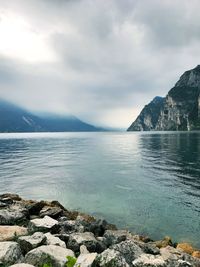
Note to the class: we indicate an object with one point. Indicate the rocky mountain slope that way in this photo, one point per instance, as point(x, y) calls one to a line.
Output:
point(16, 119)
point(179, 110)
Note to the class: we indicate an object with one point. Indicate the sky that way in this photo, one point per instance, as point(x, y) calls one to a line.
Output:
point(100, 60)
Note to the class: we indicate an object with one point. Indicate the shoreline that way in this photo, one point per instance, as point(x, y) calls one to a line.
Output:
point(43, 232)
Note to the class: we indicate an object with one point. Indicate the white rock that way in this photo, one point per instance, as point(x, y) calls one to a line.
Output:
point(83, 249)
point(48, 254)
point(45, 224)
point(10, 253)
point(149, 260)
point(28, 243)
point(53, 240)
point(85, 260)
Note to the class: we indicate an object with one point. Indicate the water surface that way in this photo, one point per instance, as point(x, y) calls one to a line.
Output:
point(146, 182)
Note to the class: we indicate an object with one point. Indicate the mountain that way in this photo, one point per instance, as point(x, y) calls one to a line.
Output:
point(179, 110)
point(17, 119)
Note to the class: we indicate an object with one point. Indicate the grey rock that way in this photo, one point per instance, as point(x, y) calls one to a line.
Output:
point(176, 257)
point(128, 249)
point(10, 253)
point(147, 260)
point(14, 197)
point(71, 226)
point(48, 254)
point(115, 236)
point(53, 240)
point(28, 243)
point(53, 212)
point(86, 260)
point(34, 207)
point(111, 258)
point(98, 227)
point(77, 239)
point(13, 215)
point(45, 224)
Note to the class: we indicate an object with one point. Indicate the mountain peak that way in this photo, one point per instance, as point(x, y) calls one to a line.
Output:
point(179, 110)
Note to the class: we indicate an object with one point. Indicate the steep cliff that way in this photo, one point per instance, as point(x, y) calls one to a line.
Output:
point(179, 110)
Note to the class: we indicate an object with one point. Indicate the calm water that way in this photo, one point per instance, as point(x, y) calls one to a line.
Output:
point(146, 182)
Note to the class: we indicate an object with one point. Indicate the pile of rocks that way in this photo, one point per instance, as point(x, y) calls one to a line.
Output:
point(36, 233)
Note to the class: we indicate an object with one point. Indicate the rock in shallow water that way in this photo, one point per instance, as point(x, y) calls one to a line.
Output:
point(48, 254)
point(10, 253)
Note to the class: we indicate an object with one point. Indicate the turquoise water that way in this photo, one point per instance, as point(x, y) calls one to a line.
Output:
point(146, 182)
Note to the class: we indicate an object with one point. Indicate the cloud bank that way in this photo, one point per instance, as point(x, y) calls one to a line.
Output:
point(101, 60)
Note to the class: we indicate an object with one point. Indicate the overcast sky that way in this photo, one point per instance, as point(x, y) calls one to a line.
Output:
point(101, 60)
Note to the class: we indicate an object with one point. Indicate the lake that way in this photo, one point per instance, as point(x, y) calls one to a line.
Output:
point(146, 182)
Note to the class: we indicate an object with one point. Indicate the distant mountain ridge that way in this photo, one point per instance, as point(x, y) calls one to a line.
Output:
point(16, 119)
point(179, 110)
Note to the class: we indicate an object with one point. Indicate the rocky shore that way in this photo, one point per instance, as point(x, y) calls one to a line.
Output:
point(45, 234)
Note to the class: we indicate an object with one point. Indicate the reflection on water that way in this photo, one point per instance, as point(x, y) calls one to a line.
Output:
point(147, 182)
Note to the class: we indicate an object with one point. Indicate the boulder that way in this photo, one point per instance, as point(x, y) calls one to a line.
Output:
point(111, 258)
point(115, 236)
point(53, 240)
point(176, 257)
point(98, 227)
point(71, 226)
point(53, 212)
point(196, 254)
point(86, 260)
point(128, 249)
point(186, 247)
point(167, 241)
point(10, 253)
point(77, 239)
point(45, 224)
point(54, 255)
point(83, 249)
point(8, 233)
point(34, 207)
point(149, 260)
point(15, 214)
point(28, 243)
point(11, 196)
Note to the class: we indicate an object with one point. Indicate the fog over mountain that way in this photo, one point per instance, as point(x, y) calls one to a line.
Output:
point(101, 61)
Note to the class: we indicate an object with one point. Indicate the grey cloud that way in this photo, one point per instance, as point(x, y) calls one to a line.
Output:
point(112, 56)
